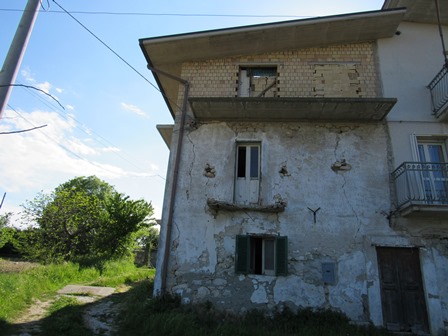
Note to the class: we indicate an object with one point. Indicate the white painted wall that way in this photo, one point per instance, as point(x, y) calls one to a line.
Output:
point(408, 62)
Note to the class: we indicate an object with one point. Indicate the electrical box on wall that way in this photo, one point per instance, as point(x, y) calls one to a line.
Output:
point(329, 273)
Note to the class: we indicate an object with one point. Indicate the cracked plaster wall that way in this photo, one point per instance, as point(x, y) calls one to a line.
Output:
point(351, 202)
point(301, 164)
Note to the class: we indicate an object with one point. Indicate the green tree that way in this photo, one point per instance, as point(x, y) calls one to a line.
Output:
point(6, 233)
point(84, 218)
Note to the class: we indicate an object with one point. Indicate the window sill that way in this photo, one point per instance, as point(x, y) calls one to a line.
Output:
point(221, 205)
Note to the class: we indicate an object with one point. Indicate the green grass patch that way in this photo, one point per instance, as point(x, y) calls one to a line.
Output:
point(17, 290)
point(62, 302)
point(65, 317)
point(166, 316)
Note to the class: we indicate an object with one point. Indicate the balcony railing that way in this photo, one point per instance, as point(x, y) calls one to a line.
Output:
point(439, 91)
point(421, 183)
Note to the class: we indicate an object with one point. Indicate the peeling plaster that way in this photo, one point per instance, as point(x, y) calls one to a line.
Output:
point(204, 260)
point(259, 294)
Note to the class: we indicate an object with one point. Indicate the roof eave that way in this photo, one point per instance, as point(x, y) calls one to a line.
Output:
point(167, 53)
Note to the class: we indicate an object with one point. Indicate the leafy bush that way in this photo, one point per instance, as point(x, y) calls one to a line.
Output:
point(6, 233)
point(84, 219)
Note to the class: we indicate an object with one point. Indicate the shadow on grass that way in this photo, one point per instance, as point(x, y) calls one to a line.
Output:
point(5, 327)
point(71, 320)
point(139, 315)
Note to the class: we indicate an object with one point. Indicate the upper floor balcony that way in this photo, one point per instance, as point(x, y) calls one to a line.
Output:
point(422, 187)
point(439, 93)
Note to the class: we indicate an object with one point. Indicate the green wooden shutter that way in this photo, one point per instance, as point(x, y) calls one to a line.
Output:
point(281, 256)
point(242, 254)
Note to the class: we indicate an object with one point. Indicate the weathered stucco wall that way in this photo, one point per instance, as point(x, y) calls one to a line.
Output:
point(300, 165)
point(295, 160)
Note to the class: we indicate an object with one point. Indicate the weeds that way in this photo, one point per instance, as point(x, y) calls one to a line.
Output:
point(165, 315)
point(17, 290)
point(65, 318)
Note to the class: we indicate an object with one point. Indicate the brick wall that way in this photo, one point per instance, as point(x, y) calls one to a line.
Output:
point(336, 71)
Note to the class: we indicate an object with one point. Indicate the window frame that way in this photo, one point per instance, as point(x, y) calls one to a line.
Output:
point(434, 185)
point(251, 180)
point(245, 79)
point(245, 258)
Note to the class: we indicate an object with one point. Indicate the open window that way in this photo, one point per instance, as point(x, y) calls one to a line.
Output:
point(257, 82)
point(247, 175)
point(264, 255)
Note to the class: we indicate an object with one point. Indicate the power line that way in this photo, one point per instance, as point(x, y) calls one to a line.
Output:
point(110, 49)
point(25, 130)
point(84, 128)
point(35, 88)
point(115, 53)
point(62, 146)
point(166, 14)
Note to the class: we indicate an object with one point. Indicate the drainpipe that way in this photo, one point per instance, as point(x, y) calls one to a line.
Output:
point(441, 33)
point(169, 224)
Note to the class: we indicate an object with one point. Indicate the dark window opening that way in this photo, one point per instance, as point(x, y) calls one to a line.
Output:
point(264, 255)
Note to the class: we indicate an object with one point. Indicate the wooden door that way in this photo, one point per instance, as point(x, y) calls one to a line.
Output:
point(402, 295)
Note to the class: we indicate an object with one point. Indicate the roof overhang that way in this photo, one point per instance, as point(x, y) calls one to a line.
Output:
point(421, 11)
point(292, 109)
point(166, 132)
point(167, 53)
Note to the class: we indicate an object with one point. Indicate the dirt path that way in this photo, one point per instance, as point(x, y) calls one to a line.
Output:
point(99, 316)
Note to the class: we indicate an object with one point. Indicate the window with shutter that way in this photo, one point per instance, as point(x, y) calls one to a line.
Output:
point(281, 256)
point(266, 255)
point(242, 254)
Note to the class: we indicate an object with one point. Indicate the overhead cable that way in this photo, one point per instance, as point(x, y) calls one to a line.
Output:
point(167, 14)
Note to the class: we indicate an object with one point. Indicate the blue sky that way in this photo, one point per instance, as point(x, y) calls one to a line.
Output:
point(108, 126)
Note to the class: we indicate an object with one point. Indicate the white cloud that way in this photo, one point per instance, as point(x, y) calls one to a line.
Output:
point(134, 109)
point(27, 75)
point(110, 149)
point(38, 158)
point(69, 107)
point(45, 86)
point(77, 146)
point(154, 167)
point(43, 159)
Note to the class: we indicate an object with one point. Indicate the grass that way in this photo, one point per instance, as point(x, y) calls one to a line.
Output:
point(18, 290)
point(65, 317)
point(142, 315)
point(166, 316)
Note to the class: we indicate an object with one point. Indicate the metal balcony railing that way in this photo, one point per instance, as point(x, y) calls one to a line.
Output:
point(421, 183)
point(439, 90)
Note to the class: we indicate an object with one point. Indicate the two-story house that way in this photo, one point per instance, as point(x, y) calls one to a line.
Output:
point(279, 188)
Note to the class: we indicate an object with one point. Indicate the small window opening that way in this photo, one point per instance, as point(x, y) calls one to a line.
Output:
point(258, 82)
point(264, 255)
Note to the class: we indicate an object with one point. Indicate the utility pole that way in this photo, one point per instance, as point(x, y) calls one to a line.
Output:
point(16, 51)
